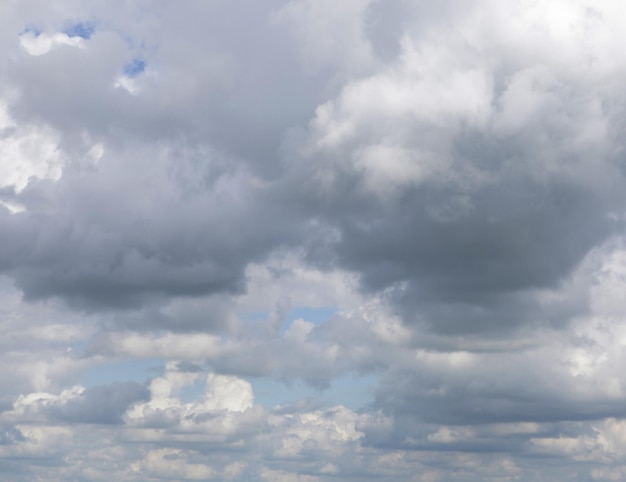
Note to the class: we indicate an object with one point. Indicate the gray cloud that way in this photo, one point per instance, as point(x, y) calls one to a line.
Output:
point(105, 404)
point(445, 179)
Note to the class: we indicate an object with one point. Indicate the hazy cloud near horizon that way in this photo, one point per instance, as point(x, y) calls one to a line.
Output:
point(310, 240)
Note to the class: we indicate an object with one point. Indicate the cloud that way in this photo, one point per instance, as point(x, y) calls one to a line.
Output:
point(100, 404)
point(206, 200)
point(165, 463)
point(462, 178)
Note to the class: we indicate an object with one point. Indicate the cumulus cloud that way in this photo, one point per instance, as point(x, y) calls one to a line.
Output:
point(100, 404)
point(201, 201)
point(464, 175)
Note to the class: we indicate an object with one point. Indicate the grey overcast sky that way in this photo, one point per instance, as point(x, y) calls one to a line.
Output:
point(312, 240)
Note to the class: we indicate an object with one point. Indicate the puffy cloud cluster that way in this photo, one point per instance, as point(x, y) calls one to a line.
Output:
point(307, 240)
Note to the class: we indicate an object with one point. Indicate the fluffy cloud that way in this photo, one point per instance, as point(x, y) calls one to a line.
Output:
point(100, 404)
point(464, 175)
point(201, 205)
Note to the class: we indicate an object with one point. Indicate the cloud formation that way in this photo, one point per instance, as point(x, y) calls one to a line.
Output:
point(306, 240)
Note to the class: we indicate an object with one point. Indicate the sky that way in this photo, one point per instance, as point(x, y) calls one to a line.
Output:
point(312, 240)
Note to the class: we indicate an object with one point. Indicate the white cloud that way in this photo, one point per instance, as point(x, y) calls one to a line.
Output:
point(27, 152)
point(284, 476)
point(324, 432)
point(214, 412)
point(169, 464)
point(42, 43)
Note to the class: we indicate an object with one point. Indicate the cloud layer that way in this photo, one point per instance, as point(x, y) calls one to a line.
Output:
point(306, 240)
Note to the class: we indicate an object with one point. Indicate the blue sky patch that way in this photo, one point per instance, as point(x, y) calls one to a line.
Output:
point(313, 315)
point(351, 391)
point(82, 29)
point(32, 29)
point(122, 371)
point(195, 391)
point(134, 68)
point(316, 315)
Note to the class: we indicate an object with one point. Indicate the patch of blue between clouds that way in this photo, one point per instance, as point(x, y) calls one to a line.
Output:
point(351, 391)
point(194, 391)
point(81, 29)
point(316, 316)
point(134, 370)
point(32, 29)
point(134, 68)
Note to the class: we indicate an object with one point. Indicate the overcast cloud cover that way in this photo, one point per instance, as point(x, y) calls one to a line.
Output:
point(312, 240)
